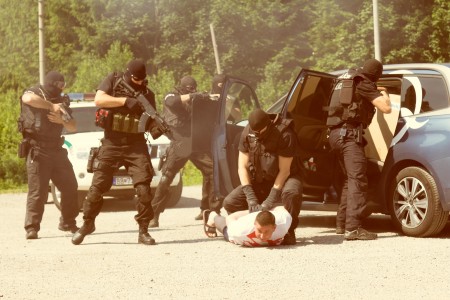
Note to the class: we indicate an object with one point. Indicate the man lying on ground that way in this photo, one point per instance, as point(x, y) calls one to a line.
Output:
point(264, 228)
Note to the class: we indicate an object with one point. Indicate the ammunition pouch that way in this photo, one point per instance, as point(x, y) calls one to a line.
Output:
point(125, 123)
point(103, 118)
point(24, 148)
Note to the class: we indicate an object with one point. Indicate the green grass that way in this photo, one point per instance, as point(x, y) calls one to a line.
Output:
point(191, 175)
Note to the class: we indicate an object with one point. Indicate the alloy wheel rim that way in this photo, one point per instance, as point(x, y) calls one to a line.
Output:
point(410, 202)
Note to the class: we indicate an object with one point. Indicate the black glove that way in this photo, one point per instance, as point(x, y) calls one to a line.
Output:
point(199, 95)
point(134, 105)
point(273, 198)
point(252, 201)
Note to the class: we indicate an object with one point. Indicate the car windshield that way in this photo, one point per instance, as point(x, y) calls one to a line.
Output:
point(85, 117)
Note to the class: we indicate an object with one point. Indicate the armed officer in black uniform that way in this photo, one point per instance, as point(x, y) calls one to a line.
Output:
point(177, 114)
point(41, 122)
point(268, 169)
point(122, 145)
point(347, 118)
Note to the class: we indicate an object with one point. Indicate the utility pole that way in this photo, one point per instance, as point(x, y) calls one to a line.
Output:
point(41, 41)
point(216, 53)
point(376, 32)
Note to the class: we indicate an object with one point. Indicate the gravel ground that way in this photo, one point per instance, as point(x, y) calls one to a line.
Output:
point(187, 265)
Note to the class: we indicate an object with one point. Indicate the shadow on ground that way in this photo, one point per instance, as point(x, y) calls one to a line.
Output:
point(375, 223)
point(125, 204)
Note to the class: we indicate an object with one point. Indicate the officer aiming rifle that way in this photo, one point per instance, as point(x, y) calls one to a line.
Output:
point(159, 126)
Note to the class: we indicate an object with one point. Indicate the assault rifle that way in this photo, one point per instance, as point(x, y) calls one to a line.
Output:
point(63, 106)
point(160, 126)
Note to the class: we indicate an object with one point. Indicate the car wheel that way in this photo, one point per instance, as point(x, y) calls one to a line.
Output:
point(56, 195)
point(414, 203)
point(175, 194)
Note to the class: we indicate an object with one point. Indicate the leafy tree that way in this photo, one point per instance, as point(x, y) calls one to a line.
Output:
point(12, 168)
point(265, 42)
point(93, 69)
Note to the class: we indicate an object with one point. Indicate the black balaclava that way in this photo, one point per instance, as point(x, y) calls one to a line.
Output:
point(187, 85)
point(50, 83)
point(258, 119)
point(372, 69)
point(136, 69)
point(218, 78)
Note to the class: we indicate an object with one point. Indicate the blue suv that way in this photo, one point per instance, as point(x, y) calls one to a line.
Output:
point(408, 151)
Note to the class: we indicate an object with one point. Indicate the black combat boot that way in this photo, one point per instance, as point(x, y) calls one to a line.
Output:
point(144, 237)
point(87, 228)
point(155, 221)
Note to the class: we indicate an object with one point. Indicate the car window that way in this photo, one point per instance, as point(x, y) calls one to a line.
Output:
point(277, 106)
point(238, 103)
point(424, 93)
point(315, 94)
point(85, 117)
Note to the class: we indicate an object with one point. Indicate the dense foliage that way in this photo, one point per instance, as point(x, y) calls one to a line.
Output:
point(265, 42)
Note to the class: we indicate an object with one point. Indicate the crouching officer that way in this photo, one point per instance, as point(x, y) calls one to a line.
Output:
point(44, 114)
point(122, 145)
point(268, 169)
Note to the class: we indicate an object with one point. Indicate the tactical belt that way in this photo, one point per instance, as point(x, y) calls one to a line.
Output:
point(120, 141)
point(348, 125)
point(47, 144)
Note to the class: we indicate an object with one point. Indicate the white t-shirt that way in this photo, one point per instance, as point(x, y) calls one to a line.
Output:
point(242, 231)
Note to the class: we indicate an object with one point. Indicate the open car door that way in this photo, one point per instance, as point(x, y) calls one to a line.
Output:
point(305, 104)
point(217, 126)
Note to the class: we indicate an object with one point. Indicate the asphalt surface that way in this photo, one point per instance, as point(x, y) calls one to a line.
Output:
point(185, 264)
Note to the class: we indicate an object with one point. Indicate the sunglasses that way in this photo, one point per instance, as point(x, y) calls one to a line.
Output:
point(136, 78)
point(191, 88)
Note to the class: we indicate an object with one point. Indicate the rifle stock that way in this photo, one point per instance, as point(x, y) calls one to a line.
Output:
point(149, 112)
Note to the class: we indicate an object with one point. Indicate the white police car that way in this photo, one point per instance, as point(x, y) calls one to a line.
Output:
point(89, 135)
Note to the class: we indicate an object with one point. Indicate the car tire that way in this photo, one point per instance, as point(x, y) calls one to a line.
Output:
point(175, 194)
point(414, 203)
point(56, 195)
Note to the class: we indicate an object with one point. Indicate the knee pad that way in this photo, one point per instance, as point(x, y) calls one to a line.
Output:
point(144, 193)
point(94, 195)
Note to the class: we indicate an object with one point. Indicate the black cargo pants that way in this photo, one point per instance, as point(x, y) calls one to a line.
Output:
point(175, 161)
point(353, 163)
point(111, 156)
point(45, 164)
point(291, 197)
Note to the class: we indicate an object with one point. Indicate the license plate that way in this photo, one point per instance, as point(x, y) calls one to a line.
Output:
point(122, 180)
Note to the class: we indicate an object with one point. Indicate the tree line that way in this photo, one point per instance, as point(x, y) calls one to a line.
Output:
point(265, 42)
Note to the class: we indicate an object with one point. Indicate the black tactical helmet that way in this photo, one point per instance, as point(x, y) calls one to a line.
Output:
point(53, 78)
point(188, 85)
point(217, 79)
point(54, 83)
point(258, 119)
point(372, 69)
point(136, 69)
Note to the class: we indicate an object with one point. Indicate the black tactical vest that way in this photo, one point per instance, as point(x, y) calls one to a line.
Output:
point(263, 154)
point(346, 105)
point(33, 122)
point(119, 91)
point(180, 122)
